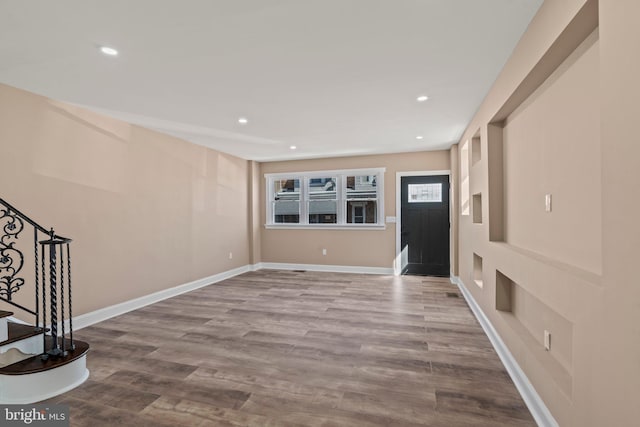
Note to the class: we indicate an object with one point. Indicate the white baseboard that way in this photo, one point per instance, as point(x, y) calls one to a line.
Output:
point(538, 409)
point(327, 268)
point(531, 398)
point(102, 314)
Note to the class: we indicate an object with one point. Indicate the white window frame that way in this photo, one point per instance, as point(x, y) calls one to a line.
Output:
point(341, 197)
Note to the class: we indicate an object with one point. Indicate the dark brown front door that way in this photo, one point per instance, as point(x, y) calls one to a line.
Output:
point(424, 233)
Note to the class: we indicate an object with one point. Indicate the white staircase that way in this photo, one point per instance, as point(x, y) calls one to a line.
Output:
point(38, 360)
point(18, 341)
point(26, 376)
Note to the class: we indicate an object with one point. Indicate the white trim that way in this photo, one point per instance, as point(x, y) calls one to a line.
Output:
point(531, 398)
point(31, 388)
point(397, 262)
point(327, 268)
point(326, 173)
point(102, 314)
point(326, 227)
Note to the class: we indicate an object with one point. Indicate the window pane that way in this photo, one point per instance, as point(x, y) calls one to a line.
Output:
point(286, 211)
point(362, 195)
point(425, 193)
point(286, 187)
point(362, 187)
point(323, 212)
point(323, 206)
point(362, 212)
point(286, 205)
point(322, 188)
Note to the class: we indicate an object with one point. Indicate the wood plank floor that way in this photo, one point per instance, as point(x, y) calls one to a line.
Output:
point(284, 348)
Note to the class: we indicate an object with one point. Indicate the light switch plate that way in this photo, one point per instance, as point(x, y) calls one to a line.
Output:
point(547, 202)
point(547, 340)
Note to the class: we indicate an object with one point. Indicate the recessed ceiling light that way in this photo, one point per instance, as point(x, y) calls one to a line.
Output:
point(419, 137)
point(108, 51)
point(243, 120)
point(422, 98)
point(292, 147)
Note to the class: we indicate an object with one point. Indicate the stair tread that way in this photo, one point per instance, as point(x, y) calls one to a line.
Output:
point(17, 332)
point(35, 363)
point(5, 314)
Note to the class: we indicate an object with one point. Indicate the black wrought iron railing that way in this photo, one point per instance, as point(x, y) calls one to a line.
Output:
point(45, 294)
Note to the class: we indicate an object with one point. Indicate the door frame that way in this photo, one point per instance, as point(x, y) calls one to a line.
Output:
point(397, 262)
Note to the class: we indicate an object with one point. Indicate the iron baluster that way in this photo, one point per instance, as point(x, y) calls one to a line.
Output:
point(53, 295)
point(62, 296)
point(73, 347)
point(12, 262)
point(44, 302)
point(35, 263)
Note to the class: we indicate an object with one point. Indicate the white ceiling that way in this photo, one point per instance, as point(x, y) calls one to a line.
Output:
point(332, 77)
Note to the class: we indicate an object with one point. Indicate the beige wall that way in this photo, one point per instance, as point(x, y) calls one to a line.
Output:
point(255, 229)
point(560, 120)
point(454, 202)
point(617, 338)
point(370, 248)
point(146, 211)
point(552, 146)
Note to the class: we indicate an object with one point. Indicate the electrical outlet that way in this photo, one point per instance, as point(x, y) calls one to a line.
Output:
point(547, 340)
point(324, 251)
point(230, 255)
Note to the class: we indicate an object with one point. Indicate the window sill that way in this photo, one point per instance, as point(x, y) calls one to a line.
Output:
point(325, 227)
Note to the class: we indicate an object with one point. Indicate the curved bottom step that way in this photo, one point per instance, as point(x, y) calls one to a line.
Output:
point(33, 380)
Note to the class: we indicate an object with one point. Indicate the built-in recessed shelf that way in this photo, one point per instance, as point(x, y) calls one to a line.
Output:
point(496, 195)
point(476, 149)
point(504, 290)
point(465, 206)
point(577, 31)
point(477, 270)
point(477, 208)
point(532, 319)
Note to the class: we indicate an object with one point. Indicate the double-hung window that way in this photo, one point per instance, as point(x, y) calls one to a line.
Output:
point(338, 198)
point(322, 204)
point(362, 199)
point(286, 201)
